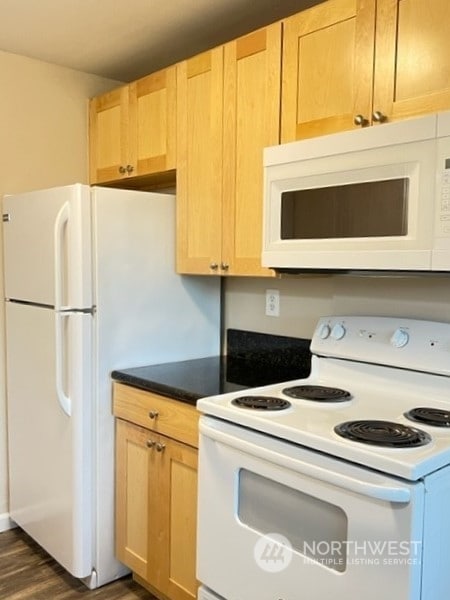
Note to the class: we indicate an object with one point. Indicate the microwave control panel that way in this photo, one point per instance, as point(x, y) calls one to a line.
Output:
point(444, 216)
point(443, 211)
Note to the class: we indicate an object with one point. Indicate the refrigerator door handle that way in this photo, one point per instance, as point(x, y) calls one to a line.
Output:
point(64, 400)
point(61, 220)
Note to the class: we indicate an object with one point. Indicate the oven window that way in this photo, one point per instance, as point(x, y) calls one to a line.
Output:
point(315, 528)
point(369, 209)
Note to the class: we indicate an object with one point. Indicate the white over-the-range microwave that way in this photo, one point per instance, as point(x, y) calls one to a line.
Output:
point(372, 199)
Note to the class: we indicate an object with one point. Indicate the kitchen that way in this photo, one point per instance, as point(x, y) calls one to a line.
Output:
point(38, 127)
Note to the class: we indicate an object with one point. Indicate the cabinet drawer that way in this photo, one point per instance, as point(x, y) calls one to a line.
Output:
point(157, 413)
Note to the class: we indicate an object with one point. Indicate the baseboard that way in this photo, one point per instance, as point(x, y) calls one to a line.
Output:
point(6, 522)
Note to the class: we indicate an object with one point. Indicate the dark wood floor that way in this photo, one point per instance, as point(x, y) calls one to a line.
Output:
point(28, 572)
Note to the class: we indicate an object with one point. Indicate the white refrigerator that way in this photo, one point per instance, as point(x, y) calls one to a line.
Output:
point(90, 286)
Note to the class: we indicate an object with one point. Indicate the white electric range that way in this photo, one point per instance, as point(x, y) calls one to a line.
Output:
point(336, 485)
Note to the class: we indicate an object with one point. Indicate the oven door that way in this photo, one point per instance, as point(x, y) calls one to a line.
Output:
point(279, 522)
point(204, 594)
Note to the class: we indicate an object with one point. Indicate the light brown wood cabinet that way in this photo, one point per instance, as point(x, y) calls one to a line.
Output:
point(133, 129)
point(352, 63)
point(109, 136)
point(156, 491)
point(228, 103)
point(336, 66)
point(412, 57)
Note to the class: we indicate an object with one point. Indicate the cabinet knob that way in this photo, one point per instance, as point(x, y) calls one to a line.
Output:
point(122, 170)
point(129, 168)
point(360, 120)
point(379, 117)
point(224, 266)
point(160, 447)
point(153, 414)
point(150, 443)
point(213, 266)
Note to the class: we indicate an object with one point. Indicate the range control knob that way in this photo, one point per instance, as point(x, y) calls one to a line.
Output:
point(338, 331)
point(399, 338)
point(324, 331)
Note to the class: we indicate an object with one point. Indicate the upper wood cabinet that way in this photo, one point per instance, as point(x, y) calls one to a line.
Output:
point(199, 162)
point(133, 129)
point(153, 107)
point(252, 82)
point(228, 107)
point(327, 68)
point(352, 63)
point(412, 57)
point(109, 135)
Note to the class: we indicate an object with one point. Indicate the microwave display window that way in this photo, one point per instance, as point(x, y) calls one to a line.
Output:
point(369, 209)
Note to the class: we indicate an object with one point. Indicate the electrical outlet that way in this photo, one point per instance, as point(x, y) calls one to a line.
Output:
point(273, 303)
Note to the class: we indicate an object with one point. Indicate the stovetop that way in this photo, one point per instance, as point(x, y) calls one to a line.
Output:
point(389, 392)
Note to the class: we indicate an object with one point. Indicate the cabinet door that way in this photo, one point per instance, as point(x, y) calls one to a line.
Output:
point(199, 162)
point(252, 78)
point(412, 67)
point(152, 122)
point(133, 460)
point(109, 135)
point(173, 520)
point(327, 68)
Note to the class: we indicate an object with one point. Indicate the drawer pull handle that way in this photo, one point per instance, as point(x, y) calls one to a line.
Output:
point(160, 447)
point(150, 443)
point(153, 414)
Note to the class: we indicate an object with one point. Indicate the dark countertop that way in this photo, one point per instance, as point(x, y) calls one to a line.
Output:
point(252, 359)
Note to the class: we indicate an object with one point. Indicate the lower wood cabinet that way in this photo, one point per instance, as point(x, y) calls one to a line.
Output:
point(156, 494)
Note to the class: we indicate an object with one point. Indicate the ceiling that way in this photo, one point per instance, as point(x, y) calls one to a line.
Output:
point(127, 40)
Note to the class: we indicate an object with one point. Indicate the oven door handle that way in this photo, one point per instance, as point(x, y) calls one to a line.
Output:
point(387, 493)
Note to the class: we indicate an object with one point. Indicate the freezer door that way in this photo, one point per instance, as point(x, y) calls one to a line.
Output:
point(50, 451)
point(47, 247)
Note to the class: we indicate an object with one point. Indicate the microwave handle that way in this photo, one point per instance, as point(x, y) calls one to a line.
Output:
point(397, 494)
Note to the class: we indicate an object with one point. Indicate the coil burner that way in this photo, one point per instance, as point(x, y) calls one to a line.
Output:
point(261, 402)
point(429, 416)
point(318, 393)
point(383, 433)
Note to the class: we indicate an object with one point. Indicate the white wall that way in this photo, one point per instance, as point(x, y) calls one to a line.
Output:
point(304, 299)
point(43, 143)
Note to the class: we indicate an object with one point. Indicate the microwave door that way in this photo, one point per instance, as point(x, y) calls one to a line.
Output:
point(360, 210)
point(367, 210)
